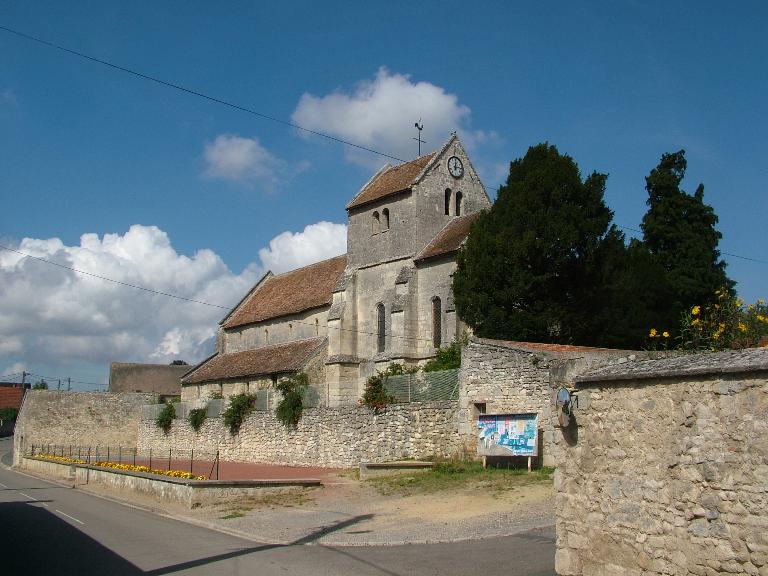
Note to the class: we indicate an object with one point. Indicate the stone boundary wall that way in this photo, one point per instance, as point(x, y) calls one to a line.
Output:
point(666, 469)
point(520, 377)
point(333, 437)
point(78, 418)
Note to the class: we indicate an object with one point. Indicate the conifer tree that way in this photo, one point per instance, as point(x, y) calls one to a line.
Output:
point(533, 266)
point(679, 232)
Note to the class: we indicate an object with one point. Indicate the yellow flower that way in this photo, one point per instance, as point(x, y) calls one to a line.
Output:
point(652, 333)
point(742, 327)
point(696, 322)
point(665, 334)
point(695, 310)
point(760, 302)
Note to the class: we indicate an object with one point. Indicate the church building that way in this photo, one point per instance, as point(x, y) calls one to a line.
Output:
point(388, 299)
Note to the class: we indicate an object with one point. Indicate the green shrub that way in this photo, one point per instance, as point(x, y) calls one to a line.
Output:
point(240, 405)
point(292, 388)
point(196, 417)
point(164, 420)
point(375, 395)
point(8, 414)
point(446, 358)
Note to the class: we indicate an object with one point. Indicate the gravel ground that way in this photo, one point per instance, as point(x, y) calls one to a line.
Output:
point(350, 513)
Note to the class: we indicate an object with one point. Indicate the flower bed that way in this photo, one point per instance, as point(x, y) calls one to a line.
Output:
point(148, 470)
point(64, 459)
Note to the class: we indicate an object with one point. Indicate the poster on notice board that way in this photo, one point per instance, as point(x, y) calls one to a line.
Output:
point(508, 435)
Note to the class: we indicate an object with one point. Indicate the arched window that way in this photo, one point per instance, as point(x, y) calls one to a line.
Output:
point(381, 334)
point(266, 336)
point(290, 331)
point(385, 219)
point(375, 224)
point(447, 201)
point(317, 327)
point(437, 322)
point(458, 203)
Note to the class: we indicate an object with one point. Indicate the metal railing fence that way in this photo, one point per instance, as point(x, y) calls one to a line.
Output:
point(195, 461)
point(424, 386)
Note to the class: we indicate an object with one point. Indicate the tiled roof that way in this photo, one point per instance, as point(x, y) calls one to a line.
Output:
point(290, 293)
point(449, 239)
point(391, 181)
point(150, 378)
point(258, 361)
point(11, 397)
point(542, 346)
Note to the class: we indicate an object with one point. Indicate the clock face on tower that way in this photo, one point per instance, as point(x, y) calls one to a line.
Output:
point(455, 167)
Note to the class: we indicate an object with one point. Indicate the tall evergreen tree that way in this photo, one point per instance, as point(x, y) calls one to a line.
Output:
point(533, 265)
point(679, 232)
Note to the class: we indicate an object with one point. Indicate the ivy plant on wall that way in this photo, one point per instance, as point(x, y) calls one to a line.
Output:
point(165, 418)
point(196, 418)
point(290, 407)
point(240, 405)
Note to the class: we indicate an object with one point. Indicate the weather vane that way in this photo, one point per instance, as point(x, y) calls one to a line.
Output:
point(419, 127)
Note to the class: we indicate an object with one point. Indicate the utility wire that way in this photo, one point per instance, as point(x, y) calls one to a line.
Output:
point(150, 290)
point(65, 378)
point(721, 252)
point(14, 375)
point(195, 93)
point(137, 287)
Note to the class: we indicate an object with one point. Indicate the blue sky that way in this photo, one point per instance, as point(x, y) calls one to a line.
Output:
point(86, 149)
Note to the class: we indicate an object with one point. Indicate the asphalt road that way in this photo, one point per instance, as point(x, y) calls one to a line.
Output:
point(49, 529)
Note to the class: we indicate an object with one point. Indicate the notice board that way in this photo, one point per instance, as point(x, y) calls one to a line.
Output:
point(508, 435)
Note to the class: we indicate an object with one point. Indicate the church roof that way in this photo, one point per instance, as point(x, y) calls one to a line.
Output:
point(450, 238)
point(289, 293)
point(391, 180)
point(274, 359)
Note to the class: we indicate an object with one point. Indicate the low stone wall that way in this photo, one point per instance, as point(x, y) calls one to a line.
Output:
point(187, 493)
point(333, 437)
point(78, 418)
point(666, 469)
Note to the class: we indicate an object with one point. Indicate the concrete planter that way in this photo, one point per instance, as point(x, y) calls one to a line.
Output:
point(188, 493)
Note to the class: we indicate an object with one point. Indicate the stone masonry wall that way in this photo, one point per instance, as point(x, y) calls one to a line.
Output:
point(667, 472)
point(79, 418)
point(517, 377)
point(333, 437)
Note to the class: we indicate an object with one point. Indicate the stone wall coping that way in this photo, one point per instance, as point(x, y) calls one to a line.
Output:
point(397, 464)
point(188, 482)
point(556, 350)
point(749, 360)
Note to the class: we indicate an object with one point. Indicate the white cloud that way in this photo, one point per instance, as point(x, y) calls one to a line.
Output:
point(291, 250)
point(232, 157)
point(16, 368)
point(54, 317)
point(381, 113)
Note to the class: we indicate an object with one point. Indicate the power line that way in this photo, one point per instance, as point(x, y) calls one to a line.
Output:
point(15, 374)
point(65, 378)
point(721, 252)
point(195, 93)
point(136, 286)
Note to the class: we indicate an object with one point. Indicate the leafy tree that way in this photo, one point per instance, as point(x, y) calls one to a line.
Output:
point(679, 232)
point(7, 414)
point(534, 264)
point(179, 363)
point(40, 385)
